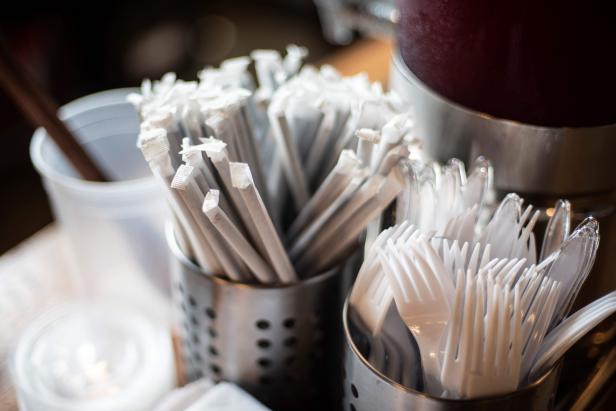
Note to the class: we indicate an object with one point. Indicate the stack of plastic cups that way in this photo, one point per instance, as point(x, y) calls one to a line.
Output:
point(115, 229)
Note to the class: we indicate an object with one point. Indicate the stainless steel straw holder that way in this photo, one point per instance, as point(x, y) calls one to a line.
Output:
point(366, 389)
point(281, 344)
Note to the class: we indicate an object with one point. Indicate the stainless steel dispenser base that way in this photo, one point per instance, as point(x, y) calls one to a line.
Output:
point(528, 158)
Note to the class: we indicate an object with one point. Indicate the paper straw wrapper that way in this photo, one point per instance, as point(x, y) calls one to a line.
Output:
point(235, 239)
point(275, 251)
point(189, 192)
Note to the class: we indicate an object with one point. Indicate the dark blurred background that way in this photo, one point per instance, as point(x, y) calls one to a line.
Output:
point(75, 50)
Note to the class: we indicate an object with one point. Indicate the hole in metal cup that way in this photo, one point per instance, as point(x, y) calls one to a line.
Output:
point(262, 324)
point(264, 343)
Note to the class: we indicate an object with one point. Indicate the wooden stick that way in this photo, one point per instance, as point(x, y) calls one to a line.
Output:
point(236, 240)
point(276, 253)
point(40, 110)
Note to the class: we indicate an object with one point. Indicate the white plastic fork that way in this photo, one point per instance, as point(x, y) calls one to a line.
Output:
point(455, 258)
point(371, 295)
point(510, 231)
point(457, 345)
point(422, 303)
point(495, 364)
point(524, 246)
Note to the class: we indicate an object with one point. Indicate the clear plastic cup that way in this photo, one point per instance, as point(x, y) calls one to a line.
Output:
point(115, 229)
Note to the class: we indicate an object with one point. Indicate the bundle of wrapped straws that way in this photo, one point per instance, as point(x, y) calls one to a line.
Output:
point(273, 182)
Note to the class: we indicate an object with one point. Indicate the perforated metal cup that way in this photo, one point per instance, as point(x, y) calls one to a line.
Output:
point(281, 344)
point(366, 389)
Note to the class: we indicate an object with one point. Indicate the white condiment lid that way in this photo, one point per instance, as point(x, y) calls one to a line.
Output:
point(93, 356)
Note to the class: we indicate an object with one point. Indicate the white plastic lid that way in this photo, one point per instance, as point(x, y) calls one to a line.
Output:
point(93, 356)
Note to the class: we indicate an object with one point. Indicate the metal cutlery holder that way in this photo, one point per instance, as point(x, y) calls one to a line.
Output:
point(366, 389)
point(281, 344)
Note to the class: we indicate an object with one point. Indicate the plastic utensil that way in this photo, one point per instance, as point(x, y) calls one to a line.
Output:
point(422, 303)
point(567, 333)
point(557, 229)
point(572, 265)
point(371, 295)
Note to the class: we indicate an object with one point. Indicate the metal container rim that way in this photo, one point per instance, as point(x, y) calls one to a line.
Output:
point(177, 253)
point(399, 65)
point(397, 386)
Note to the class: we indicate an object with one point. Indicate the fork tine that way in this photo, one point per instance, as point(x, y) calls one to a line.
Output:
point(532, 249)
point(395, 284)
point(447, 257)
point(485, 257)
point(425, 271)
point(439, 270)
point(478, 343)
point(380, 290)
point(466, 339)
point(464, 252)
point(540, 329)
point(421, 284)
point(503, 339)
point(474, 260)
point(506, 268)
point(523, 218)
point(409, 279)
point(453, 335)
point(450, 228)
point(406, 234)
point(515, 361)
point(404, 242)
point(499, 266)
point(491, 320)
point(485, 269)
point(524, 236)
point(512, 275)
point(376, 285)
